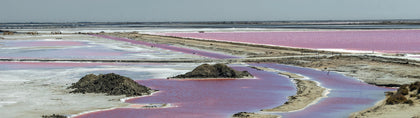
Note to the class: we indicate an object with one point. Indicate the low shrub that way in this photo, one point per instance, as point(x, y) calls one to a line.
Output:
point(54, 116)
point(396, 99)
point(403, 91)
point(410, 102)
point(414, 86)
point(241, 115)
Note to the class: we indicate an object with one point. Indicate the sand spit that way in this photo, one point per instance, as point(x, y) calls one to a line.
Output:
point(308, 93)
point(239, 49)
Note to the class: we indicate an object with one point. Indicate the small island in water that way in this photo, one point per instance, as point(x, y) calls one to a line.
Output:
point(111, 84)
point(214, 71)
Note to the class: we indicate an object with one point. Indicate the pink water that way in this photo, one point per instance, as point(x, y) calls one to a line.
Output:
point(172, 48)
point(213, 98)
point(389, 41)
point(347, 95)
point(224, 97)
point(218, 98)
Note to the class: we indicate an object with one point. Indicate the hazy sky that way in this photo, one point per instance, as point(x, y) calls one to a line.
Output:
point(204, 10)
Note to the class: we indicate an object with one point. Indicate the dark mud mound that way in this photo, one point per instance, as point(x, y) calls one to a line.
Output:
point(53, 116)
point(214, 71)
point(111, 84)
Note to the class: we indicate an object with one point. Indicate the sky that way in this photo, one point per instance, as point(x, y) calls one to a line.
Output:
point(204, 10)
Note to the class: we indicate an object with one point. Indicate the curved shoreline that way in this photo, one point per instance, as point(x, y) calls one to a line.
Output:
point(309, 92)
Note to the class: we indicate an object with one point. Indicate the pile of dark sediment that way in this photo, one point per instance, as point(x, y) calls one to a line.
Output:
point(214, 71)
point(242, 115)
point(111, 84)
point(54, 116)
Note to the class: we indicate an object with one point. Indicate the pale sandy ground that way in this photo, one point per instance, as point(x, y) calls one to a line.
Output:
point(382, 110)
point(33, 98)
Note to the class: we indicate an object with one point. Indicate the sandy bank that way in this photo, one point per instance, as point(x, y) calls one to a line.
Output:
point(308, 92)
point(233, 48)
point(403, 103)
point(381, 110)
point(34, 98)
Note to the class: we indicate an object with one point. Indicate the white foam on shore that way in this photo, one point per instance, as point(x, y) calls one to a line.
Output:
point(346, 50)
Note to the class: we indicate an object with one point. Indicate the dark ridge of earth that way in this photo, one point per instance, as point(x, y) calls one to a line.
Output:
point(214, 71)
point(110, 84)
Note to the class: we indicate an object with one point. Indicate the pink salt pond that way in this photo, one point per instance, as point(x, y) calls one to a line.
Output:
point(388, 41)
point(221, 98)
point(212, 98)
